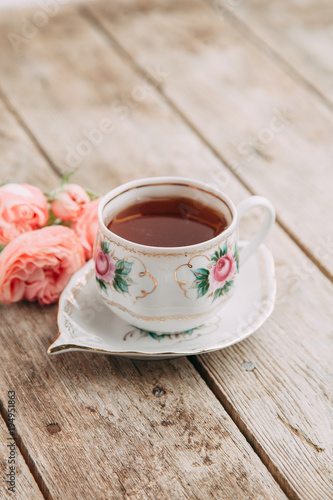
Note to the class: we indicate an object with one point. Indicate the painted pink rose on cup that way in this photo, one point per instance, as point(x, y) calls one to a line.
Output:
point(70, 202)
point(86, 227)
point(218, 277)
point(22, 208)
point(38, 265)
point(223, 271)
point(105, 266)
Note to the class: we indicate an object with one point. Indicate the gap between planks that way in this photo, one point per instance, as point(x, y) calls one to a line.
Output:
point(31, 465)
point(264, 47)
point(211, 384)
point(89, 15)
point(235, 417)
point(26, 457)
point(265, 459)
point(29, 132)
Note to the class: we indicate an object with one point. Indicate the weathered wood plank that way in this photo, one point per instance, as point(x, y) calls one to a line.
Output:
point(159, 143)
point(92, 426)
point(98, 418)
point(275, 134)
point(296, 278)
point(284, 378)
point(20, 160)
point(25, 486)
point(71, 97)
point(299, 32)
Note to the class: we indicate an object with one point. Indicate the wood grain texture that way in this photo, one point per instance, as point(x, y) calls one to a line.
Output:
point(273, 133)
point(99, 413)
point(94, 428)
point(25, 485)
point(299, 32)
point(20, 160)
point(70, 96)
point(91, 425)
point(287, 385)
point(293, 331)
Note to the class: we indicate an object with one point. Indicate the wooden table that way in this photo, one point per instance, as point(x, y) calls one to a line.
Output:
point(239, 94)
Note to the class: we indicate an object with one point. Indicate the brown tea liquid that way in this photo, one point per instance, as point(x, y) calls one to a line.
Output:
point(168, 222)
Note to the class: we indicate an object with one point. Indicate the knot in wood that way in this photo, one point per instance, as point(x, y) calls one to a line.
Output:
point(158, 391)
point(53, 428)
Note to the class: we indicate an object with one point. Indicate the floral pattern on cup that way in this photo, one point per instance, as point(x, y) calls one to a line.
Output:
point(110, 270)
point(218, 277)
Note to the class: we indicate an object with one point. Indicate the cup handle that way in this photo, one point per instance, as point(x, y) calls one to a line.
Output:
point(242, 208)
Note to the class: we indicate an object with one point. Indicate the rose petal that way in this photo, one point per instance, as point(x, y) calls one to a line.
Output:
point(22, 208)
point(86, 227)
point(37, 265)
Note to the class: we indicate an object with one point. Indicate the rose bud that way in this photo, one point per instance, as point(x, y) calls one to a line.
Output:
point(69, 202)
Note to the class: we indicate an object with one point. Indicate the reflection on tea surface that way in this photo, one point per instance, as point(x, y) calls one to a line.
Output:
point(168, 222)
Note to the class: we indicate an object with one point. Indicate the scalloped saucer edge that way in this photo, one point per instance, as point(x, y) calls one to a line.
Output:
point(86, 324)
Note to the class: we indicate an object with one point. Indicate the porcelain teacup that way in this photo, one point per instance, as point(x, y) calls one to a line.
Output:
point(172, 289)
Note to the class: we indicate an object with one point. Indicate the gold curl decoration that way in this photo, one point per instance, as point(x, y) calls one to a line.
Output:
point(190, 266)
point(141, 274)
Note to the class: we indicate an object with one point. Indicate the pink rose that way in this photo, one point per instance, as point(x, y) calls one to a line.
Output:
point(104, 266)
point(86, 227)
point(70, 202)
point(37, 265)
point(22, 208)
point(223, 271)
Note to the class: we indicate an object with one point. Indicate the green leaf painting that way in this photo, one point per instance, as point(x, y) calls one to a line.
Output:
point(123, 267)
point(102, 284)
point(218, 278)
point(117, 272)
point(105, 247)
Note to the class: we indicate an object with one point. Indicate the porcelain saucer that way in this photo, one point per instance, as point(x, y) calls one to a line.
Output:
point(86, 323)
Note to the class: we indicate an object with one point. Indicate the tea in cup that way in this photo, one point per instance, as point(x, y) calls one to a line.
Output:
point(166, 253)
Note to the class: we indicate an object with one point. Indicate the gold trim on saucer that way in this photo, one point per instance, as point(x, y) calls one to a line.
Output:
point(66, 347)
point(264, 308)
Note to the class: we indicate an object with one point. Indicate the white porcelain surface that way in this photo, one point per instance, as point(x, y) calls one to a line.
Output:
point(86, 323)
point(168, 289)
